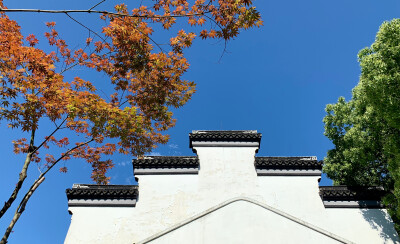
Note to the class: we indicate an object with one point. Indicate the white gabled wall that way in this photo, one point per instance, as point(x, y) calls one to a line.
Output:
point(295, 194)
point(243, 222)
point(225, 173)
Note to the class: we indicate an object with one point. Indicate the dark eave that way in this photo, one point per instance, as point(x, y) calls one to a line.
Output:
point(303, 163)
point(350, 197)
point(347, 193)
point(166, 165)
point(103, 192)
point(224, 136)
point(165, 162)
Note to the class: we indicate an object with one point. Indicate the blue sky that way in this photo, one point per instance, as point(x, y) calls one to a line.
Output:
point(276, 79)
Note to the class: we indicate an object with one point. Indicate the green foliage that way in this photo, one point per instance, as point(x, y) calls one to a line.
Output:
point(366, 130)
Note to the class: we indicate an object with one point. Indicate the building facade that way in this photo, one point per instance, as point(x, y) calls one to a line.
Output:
point(226, 194)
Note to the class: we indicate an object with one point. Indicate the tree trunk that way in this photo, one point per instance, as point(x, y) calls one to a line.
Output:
point(21, 209)
point(22, 177)
point(33, 188)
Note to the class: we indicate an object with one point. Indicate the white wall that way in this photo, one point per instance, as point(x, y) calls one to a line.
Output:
point(225, 173)
point(243, 222)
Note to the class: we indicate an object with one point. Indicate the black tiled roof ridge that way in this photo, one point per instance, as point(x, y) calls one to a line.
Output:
point(351, 193)
point(289, 157)
point(298, 162)
point(167, 162)
point(225, 135)
point(168, 157)
point(103, 192)
point(223, 131)
point(96, 186)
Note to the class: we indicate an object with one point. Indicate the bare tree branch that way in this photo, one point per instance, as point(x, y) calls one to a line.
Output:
point(101, 12)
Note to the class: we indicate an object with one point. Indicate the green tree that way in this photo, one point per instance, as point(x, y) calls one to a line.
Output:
point(366, 130)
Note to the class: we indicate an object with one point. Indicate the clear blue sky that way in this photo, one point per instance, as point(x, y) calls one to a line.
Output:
point(276, 79)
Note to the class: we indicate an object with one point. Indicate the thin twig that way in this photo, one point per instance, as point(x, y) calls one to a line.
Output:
point(151, 39)
point(77, 63)
point(84, 26)
point(225, 44)
point(48, 137)
point(97, 4)
point(63, 156)
point(123, 103)
point(122, 95)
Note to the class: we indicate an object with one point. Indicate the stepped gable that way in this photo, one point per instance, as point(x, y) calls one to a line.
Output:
point(306, 163)
point(86, 191)
point(166, 162)
point(224, 136)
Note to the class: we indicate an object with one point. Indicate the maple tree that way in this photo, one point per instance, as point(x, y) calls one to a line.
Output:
point(146, 81)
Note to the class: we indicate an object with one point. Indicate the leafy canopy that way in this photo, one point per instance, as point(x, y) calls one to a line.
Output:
point(366, 130)
point(146, 80)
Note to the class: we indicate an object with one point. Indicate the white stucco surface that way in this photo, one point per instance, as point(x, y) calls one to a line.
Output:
point(244, 222)
point(226, 173)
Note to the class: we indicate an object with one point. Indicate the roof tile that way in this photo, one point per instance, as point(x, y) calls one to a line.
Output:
point(348, 193)
point(166, 162)
point(287, 163)
point(84, 191)
point(225, 135)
